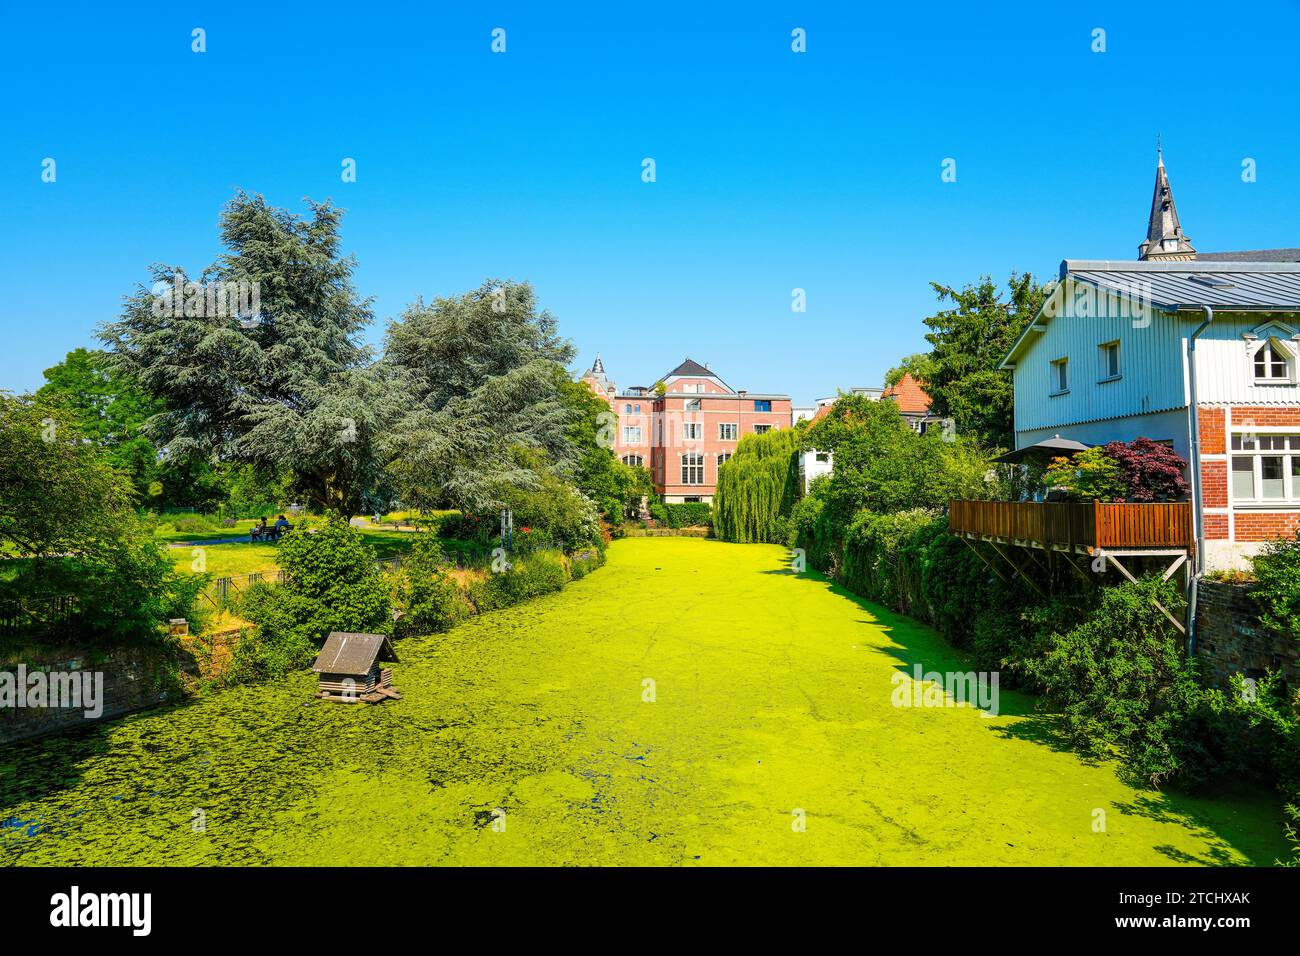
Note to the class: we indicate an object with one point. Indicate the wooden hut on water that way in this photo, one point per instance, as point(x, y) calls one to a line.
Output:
point(349, 669)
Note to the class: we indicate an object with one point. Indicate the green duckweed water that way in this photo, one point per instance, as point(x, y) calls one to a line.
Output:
point(772, 692)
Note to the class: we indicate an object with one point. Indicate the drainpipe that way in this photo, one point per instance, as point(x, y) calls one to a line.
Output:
point(1198, 518)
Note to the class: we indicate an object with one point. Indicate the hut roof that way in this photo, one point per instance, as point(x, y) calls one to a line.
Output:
point(345, 653)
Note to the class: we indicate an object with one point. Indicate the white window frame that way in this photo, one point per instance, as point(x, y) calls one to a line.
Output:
point(1104, 351)
point(692, 431)
point(693, 404)
point(634, 461)
point(1283, 351)
point(723, 458)
point(1255, 446)
point(632, 435)
point(728, 431)
point(1060, 376)
point(691, 461)
point(762, 428)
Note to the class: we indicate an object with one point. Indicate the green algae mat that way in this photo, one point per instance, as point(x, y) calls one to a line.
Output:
point(692, 703)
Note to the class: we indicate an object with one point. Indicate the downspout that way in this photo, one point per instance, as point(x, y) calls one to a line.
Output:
point(1198, 518)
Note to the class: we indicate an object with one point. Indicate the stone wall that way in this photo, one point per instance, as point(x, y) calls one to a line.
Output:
point(132, 679)
point(1229, 640)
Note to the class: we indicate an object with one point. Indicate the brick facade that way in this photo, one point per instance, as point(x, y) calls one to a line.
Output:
point(686, 433)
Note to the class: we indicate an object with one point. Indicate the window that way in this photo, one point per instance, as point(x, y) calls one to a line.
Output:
point(728, 432)
point(762, 429)
point(1109, 354)
point(636, 461)
point(631, 434)
point(1266, 469)
point(637, 409)
point(627, 409)
point(693, 431)
point(823, 456)
point(693, 405)
point(1060, 376)
point(724, 458)
point(692, 469)
point(762, 404)
point(1273, 363)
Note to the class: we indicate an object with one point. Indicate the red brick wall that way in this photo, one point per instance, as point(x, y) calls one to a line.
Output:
point(1211, 423)
point(1262, 417)
point(1216, 527)
point(1214, 483)
point(1265, 525)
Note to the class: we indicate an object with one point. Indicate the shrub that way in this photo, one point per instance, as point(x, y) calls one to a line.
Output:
point(1277, 591)
point(279, 645)
point(689, 514)
point(1091, 475)
point(1123, 681)
point(1150, 471)
point(331, 584)
point(659, 512)
point(529, 576)
point(427, 596)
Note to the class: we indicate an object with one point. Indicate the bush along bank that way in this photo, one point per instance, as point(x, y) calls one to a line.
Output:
point(332, 584)
point(1106, 658)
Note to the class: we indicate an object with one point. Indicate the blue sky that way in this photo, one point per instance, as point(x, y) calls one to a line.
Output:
point(775, 170)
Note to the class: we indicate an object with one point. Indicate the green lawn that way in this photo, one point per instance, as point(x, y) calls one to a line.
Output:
point(226, 560)
point(772, 693)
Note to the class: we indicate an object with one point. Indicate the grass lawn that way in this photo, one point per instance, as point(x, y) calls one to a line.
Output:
point(227, 560)
point(772, 693)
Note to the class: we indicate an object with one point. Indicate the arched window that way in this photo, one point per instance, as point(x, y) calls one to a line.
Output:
point(636, 461)
point(724, 458)
point(1273, 363)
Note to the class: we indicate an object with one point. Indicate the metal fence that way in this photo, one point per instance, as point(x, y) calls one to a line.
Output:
point(31, 616)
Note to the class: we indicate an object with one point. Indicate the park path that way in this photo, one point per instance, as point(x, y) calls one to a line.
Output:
point(531, 736)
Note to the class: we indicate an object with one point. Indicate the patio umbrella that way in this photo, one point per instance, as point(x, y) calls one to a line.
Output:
point(1054, 447)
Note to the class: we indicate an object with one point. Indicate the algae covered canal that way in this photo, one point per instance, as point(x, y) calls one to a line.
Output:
point(691, 703)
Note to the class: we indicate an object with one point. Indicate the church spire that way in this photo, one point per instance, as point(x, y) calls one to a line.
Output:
point(599, 367)
point(1165, 239)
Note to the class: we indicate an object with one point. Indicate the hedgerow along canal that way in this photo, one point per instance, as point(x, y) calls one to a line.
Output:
point(692, 703)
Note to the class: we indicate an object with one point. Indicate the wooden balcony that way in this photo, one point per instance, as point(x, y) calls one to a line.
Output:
point(1086, 527)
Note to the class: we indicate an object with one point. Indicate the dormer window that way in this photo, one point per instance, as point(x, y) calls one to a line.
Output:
point(1273, 363)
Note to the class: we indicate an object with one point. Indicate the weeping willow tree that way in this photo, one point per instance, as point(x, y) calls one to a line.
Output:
point(757, 487)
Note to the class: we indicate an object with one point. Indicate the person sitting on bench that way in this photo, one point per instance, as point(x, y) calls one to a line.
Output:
point(281, 526)
point(260, 532)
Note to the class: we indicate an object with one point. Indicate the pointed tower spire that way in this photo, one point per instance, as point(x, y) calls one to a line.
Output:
point(599, 367)
point(1165, 239)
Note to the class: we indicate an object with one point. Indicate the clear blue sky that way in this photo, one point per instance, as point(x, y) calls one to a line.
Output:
point(775, 170)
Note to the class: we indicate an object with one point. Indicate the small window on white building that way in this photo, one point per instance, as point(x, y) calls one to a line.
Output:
point(1109, 354)
point(1060, 376)
point(1273, 363)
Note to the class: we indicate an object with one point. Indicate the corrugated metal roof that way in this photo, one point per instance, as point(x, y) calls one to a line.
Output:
point(346, 653)
point(1252, 286)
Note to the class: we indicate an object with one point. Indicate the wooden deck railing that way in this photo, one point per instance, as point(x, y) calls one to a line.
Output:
point(1065, 524)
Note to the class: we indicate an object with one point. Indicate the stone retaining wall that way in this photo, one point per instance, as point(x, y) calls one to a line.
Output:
point(1229, 640)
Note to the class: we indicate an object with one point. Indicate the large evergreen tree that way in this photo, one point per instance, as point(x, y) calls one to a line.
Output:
point(289, 387)
point(487, 380)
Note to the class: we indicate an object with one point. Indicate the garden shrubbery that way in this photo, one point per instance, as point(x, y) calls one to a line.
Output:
point(688, 514)
point(529, 576)
point(427, 597)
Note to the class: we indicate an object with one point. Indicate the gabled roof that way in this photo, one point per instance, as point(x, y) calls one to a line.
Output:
point(691, 368)
point(346, 653)
point(911, 397)
point(1176, 287)
point(1239, 286)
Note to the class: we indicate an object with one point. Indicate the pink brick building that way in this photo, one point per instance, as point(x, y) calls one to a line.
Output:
point(685, 426)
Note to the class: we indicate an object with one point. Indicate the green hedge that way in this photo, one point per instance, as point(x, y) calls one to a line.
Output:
point(688, 514)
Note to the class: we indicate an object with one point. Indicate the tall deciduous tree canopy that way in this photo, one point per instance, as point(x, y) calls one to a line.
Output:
point(968, 341)
point(288, 386)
